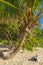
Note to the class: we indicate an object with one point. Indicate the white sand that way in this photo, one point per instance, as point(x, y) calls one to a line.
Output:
point(22, 58)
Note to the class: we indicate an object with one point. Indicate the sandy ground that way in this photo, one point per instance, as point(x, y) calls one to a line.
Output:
point(23, 56)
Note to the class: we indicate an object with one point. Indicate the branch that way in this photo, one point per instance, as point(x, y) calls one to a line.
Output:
point(39, 15)
point(27, 30)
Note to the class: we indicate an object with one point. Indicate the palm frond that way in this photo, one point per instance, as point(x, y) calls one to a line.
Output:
point(8, 3)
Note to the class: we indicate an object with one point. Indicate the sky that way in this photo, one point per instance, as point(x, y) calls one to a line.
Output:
point(41, 18)
point(41, 21)
point(36, 13)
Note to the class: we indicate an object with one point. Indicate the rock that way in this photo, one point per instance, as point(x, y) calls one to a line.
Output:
point(1, 55)
point(36, 58)
point(39, 57)
point(33, 59)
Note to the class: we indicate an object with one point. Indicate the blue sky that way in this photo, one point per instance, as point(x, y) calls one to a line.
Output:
point(41, 21)
point(41, 18)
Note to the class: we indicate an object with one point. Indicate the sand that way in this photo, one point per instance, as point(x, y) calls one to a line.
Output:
point(23, 58)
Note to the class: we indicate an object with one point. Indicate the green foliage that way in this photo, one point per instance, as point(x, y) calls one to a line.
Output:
point(8, 8)
point(16, 7)
point(4, 41)
point(27, 46)
point(8, 32)
point(35, 40)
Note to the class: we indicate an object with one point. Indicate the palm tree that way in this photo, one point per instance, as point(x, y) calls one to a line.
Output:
point(29, 20)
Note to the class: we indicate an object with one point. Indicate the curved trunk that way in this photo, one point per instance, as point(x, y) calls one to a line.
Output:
point(21, 41)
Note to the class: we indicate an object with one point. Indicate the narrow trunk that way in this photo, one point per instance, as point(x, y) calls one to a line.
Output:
point(21, 41)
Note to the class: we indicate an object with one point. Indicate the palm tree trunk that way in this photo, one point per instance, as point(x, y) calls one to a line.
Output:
point(21, 41)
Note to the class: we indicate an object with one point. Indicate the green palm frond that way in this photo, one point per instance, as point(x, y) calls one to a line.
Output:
point(8, 3)
point(17, 6)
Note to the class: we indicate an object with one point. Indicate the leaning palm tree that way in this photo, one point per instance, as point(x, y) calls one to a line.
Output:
point(29, 20)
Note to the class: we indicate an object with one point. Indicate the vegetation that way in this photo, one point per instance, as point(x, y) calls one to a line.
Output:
point(19, 22)
point(35, 40)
